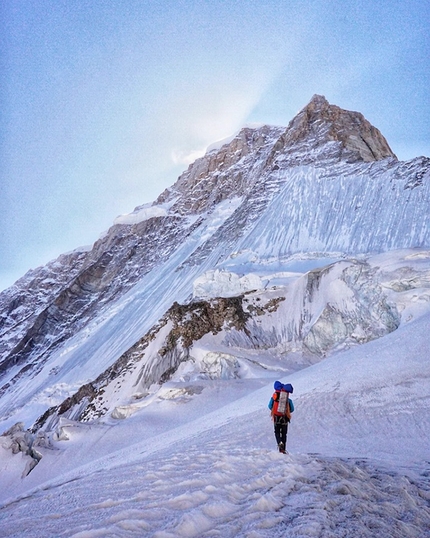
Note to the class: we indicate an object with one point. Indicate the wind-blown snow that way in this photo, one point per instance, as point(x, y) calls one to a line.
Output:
point(220, 143)
point(224, 141)
point(142, 214)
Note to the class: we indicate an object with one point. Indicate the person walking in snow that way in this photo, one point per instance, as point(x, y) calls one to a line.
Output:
point(281, 407)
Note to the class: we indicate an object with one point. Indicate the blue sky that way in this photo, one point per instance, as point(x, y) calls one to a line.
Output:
point(104, 103)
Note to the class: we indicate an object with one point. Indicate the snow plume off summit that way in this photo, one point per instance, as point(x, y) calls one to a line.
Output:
point(299, 253)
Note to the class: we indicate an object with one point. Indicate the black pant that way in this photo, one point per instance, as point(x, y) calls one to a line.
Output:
point(281, 429)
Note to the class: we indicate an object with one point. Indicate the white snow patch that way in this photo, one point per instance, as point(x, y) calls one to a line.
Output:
point(220, 143)
point(142, 214)
point(83, 248)
point(181, 156)
point(224, 141)
point(219, 283)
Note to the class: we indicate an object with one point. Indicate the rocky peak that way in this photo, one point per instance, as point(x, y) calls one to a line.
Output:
point(222, 173)
point(320, 122)
point(319, 132)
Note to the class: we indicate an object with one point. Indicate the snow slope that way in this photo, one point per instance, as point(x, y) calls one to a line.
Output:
point(206, 464)
point(268, 196)
point(196, 456)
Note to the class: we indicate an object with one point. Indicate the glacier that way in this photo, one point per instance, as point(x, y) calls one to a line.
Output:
point(356, 464)
point(299, 253)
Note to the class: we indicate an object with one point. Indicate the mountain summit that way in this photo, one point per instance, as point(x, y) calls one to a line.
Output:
point(272, 202)
point(319, 123)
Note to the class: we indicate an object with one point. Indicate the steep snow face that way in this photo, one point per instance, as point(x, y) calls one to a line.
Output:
point(269, 195)
point(291, 326)
point(345, 209)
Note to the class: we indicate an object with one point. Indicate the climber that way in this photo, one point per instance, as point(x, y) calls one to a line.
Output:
point(281, 407)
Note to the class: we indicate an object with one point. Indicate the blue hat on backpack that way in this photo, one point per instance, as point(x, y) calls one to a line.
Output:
point(280, 386)
point(289, 388)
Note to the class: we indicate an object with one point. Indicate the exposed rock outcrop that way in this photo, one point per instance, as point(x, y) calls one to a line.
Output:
point(320, 122)
point(323, 132)
point(320, 322)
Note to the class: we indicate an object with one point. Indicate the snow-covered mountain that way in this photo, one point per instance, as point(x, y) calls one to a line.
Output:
point(199, 457)
point(284, 247)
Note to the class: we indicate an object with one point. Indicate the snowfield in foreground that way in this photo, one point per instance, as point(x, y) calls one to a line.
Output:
point(228, 483)
point(206, 465)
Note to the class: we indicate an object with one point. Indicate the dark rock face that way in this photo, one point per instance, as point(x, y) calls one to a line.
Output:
point(320, 122)
point(22, 303)
point(193, 321)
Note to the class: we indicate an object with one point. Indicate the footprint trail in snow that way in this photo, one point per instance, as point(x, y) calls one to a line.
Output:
point(232, 485)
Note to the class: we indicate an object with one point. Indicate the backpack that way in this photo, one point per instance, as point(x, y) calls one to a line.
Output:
point(281, 407)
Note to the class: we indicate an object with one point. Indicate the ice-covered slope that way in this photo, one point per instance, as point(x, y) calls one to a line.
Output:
point(343, 208)
point(197, 465)
point(326, 185)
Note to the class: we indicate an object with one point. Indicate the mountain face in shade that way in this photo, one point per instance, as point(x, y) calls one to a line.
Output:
point(326, 193)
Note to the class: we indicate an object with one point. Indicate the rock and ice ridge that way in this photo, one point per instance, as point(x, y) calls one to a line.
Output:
point(272, 256)
point(326, 184)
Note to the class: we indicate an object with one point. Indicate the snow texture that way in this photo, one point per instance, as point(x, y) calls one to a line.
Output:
point(307, 233)
point(203, 462)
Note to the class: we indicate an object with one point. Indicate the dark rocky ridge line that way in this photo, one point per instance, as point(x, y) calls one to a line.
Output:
point(190, 323)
